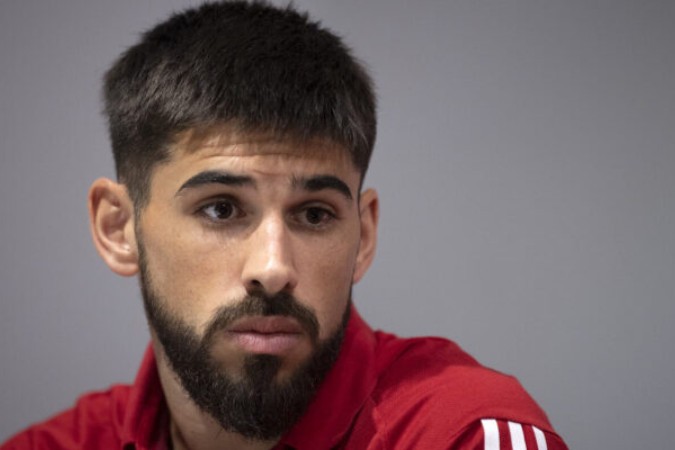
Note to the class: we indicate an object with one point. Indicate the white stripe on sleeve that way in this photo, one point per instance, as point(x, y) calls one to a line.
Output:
point(491, 432)
point(541, 439)
point(517, 436)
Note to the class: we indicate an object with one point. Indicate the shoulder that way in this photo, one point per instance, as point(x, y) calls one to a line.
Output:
point(432, 394)
point(94, 421)
point(502, 434)
point(417, 368)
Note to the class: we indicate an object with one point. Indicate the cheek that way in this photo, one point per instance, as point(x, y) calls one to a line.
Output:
point(192, 276)
point(325, 284)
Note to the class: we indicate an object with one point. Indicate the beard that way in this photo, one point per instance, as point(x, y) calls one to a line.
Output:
point(256, 404)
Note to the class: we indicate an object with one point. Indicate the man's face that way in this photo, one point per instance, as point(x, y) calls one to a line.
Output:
point(249, 248)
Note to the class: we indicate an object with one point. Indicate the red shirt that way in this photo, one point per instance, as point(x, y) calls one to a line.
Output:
point(384, 392)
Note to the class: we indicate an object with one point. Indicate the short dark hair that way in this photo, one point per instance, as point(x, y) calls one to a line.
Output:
point(250, 64)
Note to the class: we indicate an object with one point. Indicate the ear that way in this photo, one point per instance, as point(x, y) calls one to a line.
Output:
point(111, 219)
point(369, 213)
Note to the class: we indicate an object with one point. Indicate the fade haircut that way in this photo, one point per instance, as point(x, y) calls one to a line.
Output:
point(247, 64)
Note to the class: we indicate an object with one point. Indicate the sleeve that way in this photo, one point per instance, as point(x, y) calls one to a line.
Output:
point(87, 425)
point(55, 433)
point(497, 434)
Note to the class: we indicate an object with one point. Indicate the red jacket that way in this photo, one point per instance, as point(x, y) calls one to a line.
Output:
point(383, 393)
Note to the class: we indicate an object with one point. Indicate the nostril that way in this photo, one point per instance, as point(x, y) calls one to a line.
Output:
point(255, 284)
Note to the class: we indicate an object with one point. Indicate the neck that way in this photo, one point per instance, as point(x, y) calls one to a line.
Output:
point(185, 438)
point(191, 428)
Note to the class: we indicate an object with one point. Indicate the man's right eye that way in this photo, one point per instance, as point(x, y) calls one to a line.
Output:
point(220, 210)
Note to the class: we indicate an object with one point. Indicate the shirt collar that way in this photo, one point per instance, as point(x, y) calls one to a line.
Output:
point(327, 419)
point(146, 419)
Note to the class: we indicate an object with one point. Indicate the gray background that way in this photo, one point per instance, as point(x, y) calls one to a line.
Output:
point(524, 162)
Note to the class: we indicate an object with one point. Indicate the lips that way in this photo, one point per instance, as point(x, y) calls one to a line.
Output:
point(266, 325)
point(265, 335)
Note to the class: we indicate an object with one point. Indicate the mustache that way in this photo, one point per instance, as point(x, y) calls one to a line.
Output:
point(259, 303)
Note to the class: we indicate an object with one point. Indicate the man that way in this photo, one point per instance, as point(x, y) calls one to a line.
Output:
point(241, 135)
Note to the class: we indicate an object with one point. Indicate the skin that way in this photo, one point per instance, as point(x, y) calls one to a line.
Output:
point(209, 243)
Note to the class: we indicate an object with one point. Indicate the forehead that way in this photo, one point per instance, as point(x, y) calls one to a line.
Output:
point(229, 141)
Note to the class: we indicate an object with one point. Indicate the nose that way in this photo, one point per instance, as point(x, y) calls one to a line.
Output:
point(270, 264)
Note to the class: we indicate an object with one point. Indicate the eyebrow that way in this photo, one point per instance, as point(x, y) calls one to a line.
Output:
point(321, 182)
point(311, 184)
point(216, 177)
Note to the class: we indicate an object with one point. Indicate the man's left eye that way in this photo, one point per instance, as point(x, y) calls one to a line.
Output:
point(316, 216)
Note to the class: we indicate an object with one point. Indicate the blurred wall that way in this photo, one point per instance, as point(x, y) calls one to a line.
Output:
point(525, 165)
